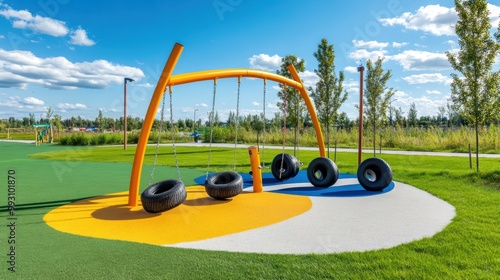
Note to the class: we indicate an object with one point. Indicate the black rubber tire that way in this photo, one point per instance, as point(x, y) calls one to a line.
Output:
point(224, 185)
point(163, 196)
point(374, 174)
point(296, 168)
point(290, 166)
point(322, 172)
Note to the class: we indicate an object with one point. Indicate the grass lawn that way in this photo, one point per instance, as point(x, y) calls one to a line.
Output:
point(51, 175)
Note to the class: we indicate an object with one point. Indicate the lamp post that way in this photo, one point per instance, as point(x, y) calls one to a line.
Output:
point(125, 80)
point(194, 125)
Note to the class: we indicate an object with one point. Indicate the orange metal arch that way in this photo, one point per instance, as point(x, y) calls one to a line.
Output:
point(166, 79)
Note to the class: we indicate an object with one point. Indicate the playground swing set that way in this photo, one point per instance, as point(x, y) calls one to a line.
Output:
point(43, 133)
point(374, 174)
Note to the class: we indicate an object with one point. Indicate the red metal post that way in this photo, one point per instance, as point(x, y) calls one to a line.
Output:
point(124, 113)
point(360, 131)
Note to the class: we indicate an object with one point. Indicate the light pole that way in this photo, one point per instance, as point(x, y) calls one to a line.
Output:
point(125, 80)
point(194, 125)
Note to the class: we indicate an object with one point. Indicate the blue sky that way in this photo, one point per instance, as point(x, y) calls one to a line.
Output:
point(72, 55)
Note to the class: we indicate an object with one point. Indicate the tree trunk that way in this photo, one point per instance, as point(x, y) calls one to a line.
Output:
point(374, 139)
point(328, 139)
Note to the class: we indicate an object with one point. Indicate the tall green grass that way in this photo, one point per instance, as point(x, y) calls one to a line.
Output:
point(398, 138)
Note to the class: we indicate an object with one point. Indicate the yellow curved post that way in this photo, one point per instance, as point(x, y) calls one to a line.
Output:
point(310, 108)
point(167, 80)
point(135, 178)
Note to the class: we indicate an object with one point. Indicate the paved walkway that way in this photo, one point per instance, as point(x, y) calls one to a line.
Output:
point(367, 151)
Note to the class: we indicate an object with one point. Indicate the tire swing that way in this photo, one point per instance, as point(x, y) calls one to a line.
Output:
point(322, 172)
point(166, 194)
point(223, 185)
point(284, 166)
point(374, 174)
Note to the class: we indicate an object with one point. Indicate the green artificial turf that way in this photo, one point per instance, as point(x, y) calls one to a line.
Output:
point(466, 249)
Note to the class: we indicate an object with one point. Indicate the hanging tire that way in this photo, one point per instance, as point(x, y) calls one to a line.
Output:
point(163, 196)
point(322, 172)
point(374, 174)
point(290, 166)
point(296, 168)
point(224, 185)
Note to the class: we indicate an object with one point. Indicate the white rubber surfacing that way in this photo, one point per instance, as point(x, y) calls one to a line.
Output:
point(343, 224)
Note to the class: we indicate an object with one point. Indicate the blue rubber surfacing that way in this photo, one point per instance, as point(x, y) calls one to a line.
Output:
point(268, 180)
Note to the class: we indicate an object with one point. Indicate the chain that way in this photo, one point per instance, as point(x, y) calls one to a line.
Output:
point(212, 117)
point(173, 134)
point(284, 129)
point(158, 140)
point(236, 123)
point(264, 125)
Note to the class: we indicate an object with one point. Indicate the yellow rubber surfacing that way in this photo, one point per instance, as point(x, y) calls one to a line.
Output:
point(199, 217)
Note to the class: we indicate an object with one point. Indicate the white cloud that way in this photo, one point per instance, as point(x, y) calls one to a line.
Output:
point(309, 78)
point(79, 37)
point(20, 68)
point(265, 62)
point(272, 105)
point(369, 44)
point(433, 92)
point(421, 60)
point(399, 93)
point(428, 78)
point(433, 19)
point(351, 69)
point(146, 85)
point(33, 101)
point(399, 45)
point(201, 105)
point(367, 55)
point(23, 19)
point(494, 15)
point(68, 106)
point(254, 103)
point(17, 106)
point(351, 87)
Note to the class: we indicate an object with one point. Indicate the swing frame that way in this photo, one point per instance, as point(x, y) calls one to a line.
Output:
point(167, 79)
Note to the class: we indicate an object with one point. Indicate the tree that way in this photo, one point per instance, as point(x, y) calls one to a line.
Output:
point(328, 95)
point(32, 118)
point(475, 93)
point(295, 105)
point(58, 124)
point(441, 114)
point(400, 120)
point(100, 121)
point(412, 115)
point(376, 96)
point(231, 120)
point(49, 114)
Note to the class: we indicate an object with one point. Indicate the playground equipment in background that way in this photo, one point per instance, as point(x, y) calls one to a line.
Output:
point(373, 174)
point(43, 133)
